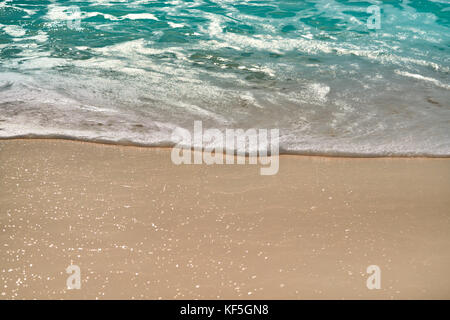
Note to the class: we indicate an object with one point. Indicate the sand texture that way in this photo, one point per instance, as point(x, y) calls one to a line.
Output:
point(139, 226)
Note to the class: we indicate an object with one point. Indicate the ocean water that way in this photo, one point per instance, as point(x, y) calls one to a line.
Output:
point(133, 71)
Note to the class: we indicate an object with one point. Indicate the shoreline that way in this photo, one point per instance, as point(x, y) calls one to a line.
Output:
point(140, 227)
point(281, 154)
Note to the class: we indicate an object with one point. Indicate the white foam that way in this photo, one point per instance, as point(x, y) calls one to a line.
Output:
point(175, 25)
point(140, 16)
point(104, 15)
point(420, 77)
point(14, 31)
point(57, 13)
point(40, 37)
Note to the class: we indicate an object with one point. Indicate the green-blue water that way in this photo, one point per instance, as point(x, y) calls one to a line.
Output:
point(135, 70)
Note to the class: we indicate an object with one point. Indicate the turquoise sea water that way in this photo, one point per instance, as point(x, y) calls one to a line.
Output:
point(132, 71)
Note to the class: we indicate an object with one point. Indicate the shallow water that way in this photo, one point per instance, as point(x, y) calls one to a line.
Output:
point(132, 71)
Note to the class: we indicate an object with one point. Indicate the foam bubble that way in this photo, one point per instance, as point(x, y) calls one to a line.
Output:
point(14, 31)
point(140, 16)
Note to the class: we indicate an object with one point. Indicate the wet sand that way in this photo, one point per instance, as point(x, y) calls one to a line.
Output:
point(139, 226)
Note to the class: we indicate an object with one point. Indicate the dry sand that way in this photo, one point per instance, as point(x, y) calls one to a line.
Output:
point(140, 227)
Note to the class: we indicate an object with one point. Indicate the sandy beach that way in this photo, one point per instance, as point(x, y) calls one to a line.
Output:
point(141, 227)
